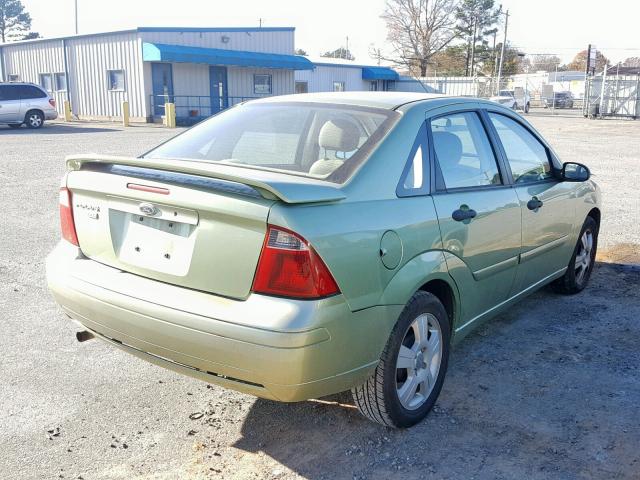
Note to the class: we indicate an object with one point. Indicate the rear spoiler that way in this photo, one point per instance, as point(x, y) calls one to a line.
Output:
point(271, 185)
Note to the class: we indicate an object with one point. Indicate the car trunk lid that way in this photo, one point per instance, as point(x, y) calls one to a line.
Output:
point(189, 225)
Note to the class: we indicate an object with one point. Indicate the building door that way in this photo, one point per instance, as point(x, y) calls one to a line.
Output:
point(218, 85)
point(162, 80)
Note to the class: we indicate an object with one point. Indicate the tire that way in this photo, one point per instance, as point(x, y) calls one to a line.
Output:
point(15, 125)
point(579, 271)
point(515, 106)
point(526, 107)
point(34, 119)
point(378, 398)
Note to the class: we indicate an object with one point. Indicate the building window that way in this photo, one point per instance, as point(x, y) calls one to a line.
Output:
point(46, 82)
point(302, 87)
point(262, 84)
point(373, 86)
point(116, 80)
point(338, 86)
point(61, 82)
point(14, 77)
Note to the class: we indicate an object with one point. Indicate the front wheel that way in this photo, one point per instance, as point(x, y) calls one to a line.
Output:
point(408, 379)
point(581, 265)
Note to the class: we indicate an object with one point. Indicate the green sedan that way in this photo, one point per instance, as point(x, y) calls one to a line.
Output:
point(297, 246)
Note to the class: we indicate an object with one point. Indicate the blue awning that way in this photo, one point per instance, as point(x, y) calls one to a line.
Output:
point(379, 73)
point(157, 52)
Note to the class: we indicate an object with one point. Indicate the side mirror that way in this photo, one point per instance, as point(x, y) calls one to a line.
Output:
point(574, 172)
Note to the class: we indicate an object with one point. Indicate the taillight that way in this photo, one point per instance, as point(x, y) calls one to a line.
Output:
point(290, 267)
point(67, 225)
point(52, 102)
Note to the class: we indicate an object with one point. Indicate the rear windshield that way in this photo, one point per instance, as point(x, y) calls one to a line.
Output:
point(322, 141)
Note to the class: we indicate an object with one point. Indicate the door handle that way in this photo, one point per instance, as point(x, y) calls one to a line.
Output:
point(534, 204)
point(461, 215)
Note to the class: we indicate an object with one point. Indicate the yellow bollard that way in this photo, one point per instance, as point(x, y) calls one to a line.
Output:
point(67, 110)
point(125, 114)
point(170, 115)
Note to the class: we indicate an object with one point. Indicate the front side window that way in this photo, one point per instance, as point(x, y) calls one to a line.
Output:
point(9, 92)
point(338, 86)
point(262, 84)
point(115, 79)
point(463, 151)
point(323, 141)
point(61, 82)
point(46, 82)
point(527, 157)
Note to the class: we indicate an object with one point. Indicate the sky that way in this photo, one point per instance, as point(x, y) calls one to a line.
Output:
point(561, 27)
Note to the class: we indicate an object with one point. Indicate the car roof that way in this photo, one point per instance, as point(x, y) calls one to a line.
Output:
point(388, 100)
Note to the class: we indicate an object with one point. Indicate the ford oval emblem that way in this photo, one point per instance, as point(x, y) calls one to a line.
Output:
point(148, 209)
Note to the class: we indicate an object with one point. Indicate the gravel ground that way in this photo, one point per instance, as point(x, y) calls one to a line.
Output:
point(549, 390)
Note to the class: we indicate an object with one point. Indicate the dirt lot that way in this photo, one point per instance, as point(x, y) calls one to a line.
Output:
point(549, 390)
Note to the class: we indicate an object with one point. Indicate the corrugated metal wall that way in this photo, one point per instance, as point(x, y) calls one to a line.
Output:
point(90, 58)
point(29, 60)
point(252, 41)
point(321, 79)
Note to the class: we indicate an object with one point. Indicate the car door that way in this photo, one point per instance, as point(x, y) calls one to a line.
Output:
point(10, 104)
point(33, 97)
point(478, 213)
point(547, 211)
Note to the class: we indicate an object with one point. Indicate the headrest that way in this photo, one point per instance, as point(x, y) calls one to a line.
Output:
point(448, 148)
point(339, 134)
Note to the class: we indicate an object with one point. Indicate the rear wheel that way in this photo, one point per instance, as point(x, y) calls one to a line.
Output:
point(581, 265)
point(34, 119)
point(526, 107)
point(408, 379)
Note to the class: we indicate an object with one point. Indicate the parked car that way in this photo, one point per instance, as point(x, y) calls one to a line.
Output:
point(509, 99)
point(25, 103)
point(559, 100)
point(296, 246)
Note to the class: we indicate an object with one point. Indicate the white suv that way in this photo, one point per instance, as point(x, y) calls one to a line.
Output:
point(25, 103)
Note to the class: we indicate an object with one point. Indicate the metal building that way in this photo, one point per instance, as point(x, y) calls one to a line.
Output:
point(201, 70)
point(338, 75)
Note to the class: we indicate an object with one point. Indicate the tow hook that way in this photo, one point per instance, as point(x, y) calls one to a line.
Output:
point(84, 335)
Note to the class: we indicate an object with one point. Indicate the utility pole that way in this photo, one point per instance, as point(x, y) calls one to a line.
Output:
point(506, 25)
point(76, 14)
point(347, 50)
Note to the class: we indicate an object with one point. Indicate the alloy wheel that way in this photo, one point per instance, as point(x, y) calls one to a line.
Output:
point(419, 361)
point(35, 120)
point(584, 256)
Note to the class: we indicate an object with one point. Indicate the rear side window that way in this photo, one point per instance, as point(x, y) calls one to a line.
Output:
point(9, 92)
point(463, 151)
point(29, 91)
point(527, 157)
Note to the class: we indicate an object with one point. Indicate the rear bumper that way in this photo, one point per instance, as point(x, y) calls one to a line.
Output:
point(50, 114)
point(269, 347)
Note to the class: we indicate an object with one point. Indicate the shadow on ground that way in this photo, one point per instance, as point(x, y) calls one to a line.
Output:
point(547, 390)
point(55, 129)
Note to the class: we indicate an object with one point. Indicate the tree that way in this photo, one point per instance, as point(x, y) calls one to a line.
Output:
point(300, 51)
point(418, 30)
point(450, 62)
point(15, 22)
point(339, 53)
point(631, 62)
point(547, 63)
point(579, 62)
point(474, 21)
